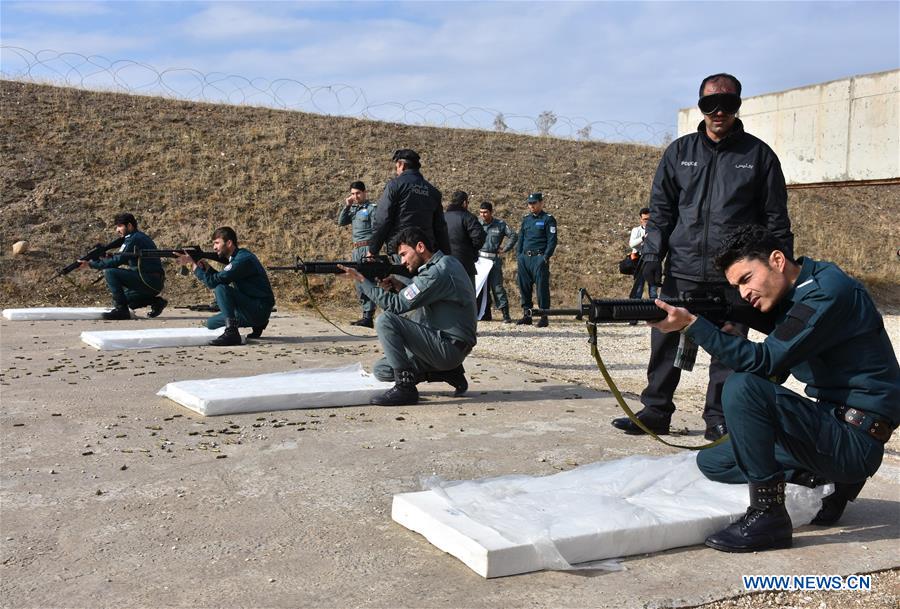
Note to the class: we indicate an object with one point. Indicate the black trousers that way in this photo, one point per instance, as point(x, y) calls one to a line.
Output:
point(662, 375)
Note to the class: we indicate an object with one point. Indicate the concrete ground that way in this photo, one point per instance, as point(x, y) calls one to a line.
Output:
point(113, 497)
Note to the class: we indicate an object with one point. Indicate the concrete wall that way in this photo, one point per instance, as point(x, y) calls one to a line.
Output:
point(835, 131)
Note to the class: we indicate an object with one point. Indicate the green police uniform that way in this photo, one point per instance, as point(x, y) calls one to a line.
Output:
point(140, 284)
point(439, 333)
point(831, 337)
point(537, 242)
point(359, 217)
point(242, 290)
point(495, 232)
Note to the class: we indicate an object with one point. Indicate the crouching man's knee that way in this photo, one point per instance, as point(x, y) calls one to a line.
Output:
point(719, 465)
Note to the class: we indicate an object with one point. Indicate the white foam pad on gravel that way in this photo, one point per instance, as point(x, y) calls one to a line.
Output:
point(111, 340)
point(312, 388)
point(516, 524)
point(55, 313)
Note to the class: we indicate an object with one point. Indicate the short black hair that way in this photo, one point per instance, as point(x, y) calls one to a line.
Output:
point(748, 242)
point(358, 185)
point(411, 235)
point(125, 218)
point(487, 205)
point(225, 233)
point(459, 197)
point(644, 210)
point(713, 77)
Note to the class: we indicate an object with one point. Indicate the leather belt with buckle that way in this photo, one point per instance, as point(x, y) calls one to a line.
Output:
point(534, 253)
point(360, 244)
point(879, 429)
point(489, 254)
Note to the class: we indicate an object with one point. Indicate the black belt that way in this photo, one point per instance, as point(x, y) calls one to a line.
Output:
point(534, 253)
point(879, 429)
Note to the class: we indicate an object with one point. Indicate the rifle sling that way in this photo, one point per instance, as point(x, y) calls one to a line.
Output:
point(315, 306)
point(592, 331)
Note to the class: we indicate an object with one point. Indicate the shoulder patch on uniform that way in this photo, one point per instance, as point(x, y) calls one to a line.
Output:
point(411, 291)
point(227, 267)
point(553, 229)
point(795, 322)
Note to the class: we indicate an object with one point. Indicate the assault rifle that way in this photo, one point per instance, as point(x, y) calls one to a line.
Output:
point(713, 306)
point(193, 251)
point(95, 253)
point(379, 267)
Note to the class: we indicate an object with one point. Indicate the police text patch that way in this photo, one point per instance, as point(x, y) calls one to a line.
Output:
point(411, 292)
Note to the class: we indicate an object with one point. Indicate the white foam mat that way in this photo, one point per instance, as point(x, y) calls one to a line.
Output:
point(55, 313)
point(312, 388)
point(516, 524)
point(110, 340)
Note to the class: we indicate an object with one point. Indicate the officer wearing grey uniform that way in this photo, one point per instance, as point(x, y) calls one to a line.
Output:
point(431, 342)
point(496, 231)
point(828, 335)
point(358, 212)
point(537, 242)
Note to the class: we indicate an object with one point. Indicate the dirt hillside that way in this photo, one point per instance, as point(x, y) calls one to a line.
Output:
point(71, 159)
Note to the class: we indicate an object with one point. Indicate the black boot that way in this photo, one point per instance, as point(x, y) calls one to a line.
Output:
point(230, 337)
point(833, 505)
point(118, 313)
point(506, 318)
point(257, 331)
point(525, 321)
point(657, 423)
point(765, 526)
point(455, 378)
point(543, 322)
point(714, 432)
point(487, 315)
point(365, 321)
point(403, 393)
point(157, 306)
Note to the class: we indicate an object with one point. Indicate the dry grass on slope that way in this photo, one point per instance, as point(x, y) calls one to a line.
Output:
point(71, 159)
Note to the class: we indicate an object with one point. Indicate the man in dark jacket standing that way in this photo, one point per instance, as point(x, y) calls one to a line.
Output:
point(707, 184)
point(465, 232)
point(408, 200)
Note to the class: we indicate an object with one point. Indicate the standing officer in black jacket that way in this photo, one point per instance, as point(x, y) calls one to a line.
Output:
point(408, 200)
point(707, 184)
point(465, 232)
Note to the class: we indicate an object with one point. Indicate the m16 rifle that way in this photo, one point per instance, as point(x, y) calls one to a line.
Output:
point(193, 251)
point(95, 253)
point(713, 306)
point(378, 267)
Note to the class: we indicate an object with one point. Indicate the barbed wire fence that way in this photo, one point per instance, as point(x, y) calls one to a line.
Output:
point(98, 73)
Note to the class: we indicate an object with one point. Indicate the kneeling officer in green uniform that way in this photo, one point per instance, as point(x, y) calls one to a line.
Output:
point(242, 289)
point(830, 336)
point(140, 284)
point(537, 242)
point(432, 342)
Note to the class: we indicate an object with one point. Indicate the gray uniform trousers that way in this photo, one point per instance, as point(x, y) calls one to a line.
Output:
point(495, 284)
point(367, 305)
point(409, 345)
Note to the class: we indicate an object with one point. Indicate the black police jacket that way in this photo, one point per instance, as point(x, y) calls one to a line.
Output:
point(409, 200)
point(703, 190)
point(466, 237)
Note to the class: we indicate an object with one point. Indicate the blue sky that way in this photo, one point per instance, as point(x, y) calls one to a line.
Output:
point(602, 61)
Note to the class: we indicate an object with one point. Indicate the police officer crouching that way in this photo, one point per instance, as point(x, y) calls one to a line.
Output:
point(140, 284)
point(537, 242)
point(830, 336)
point(433, 347)
point(242, 289)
